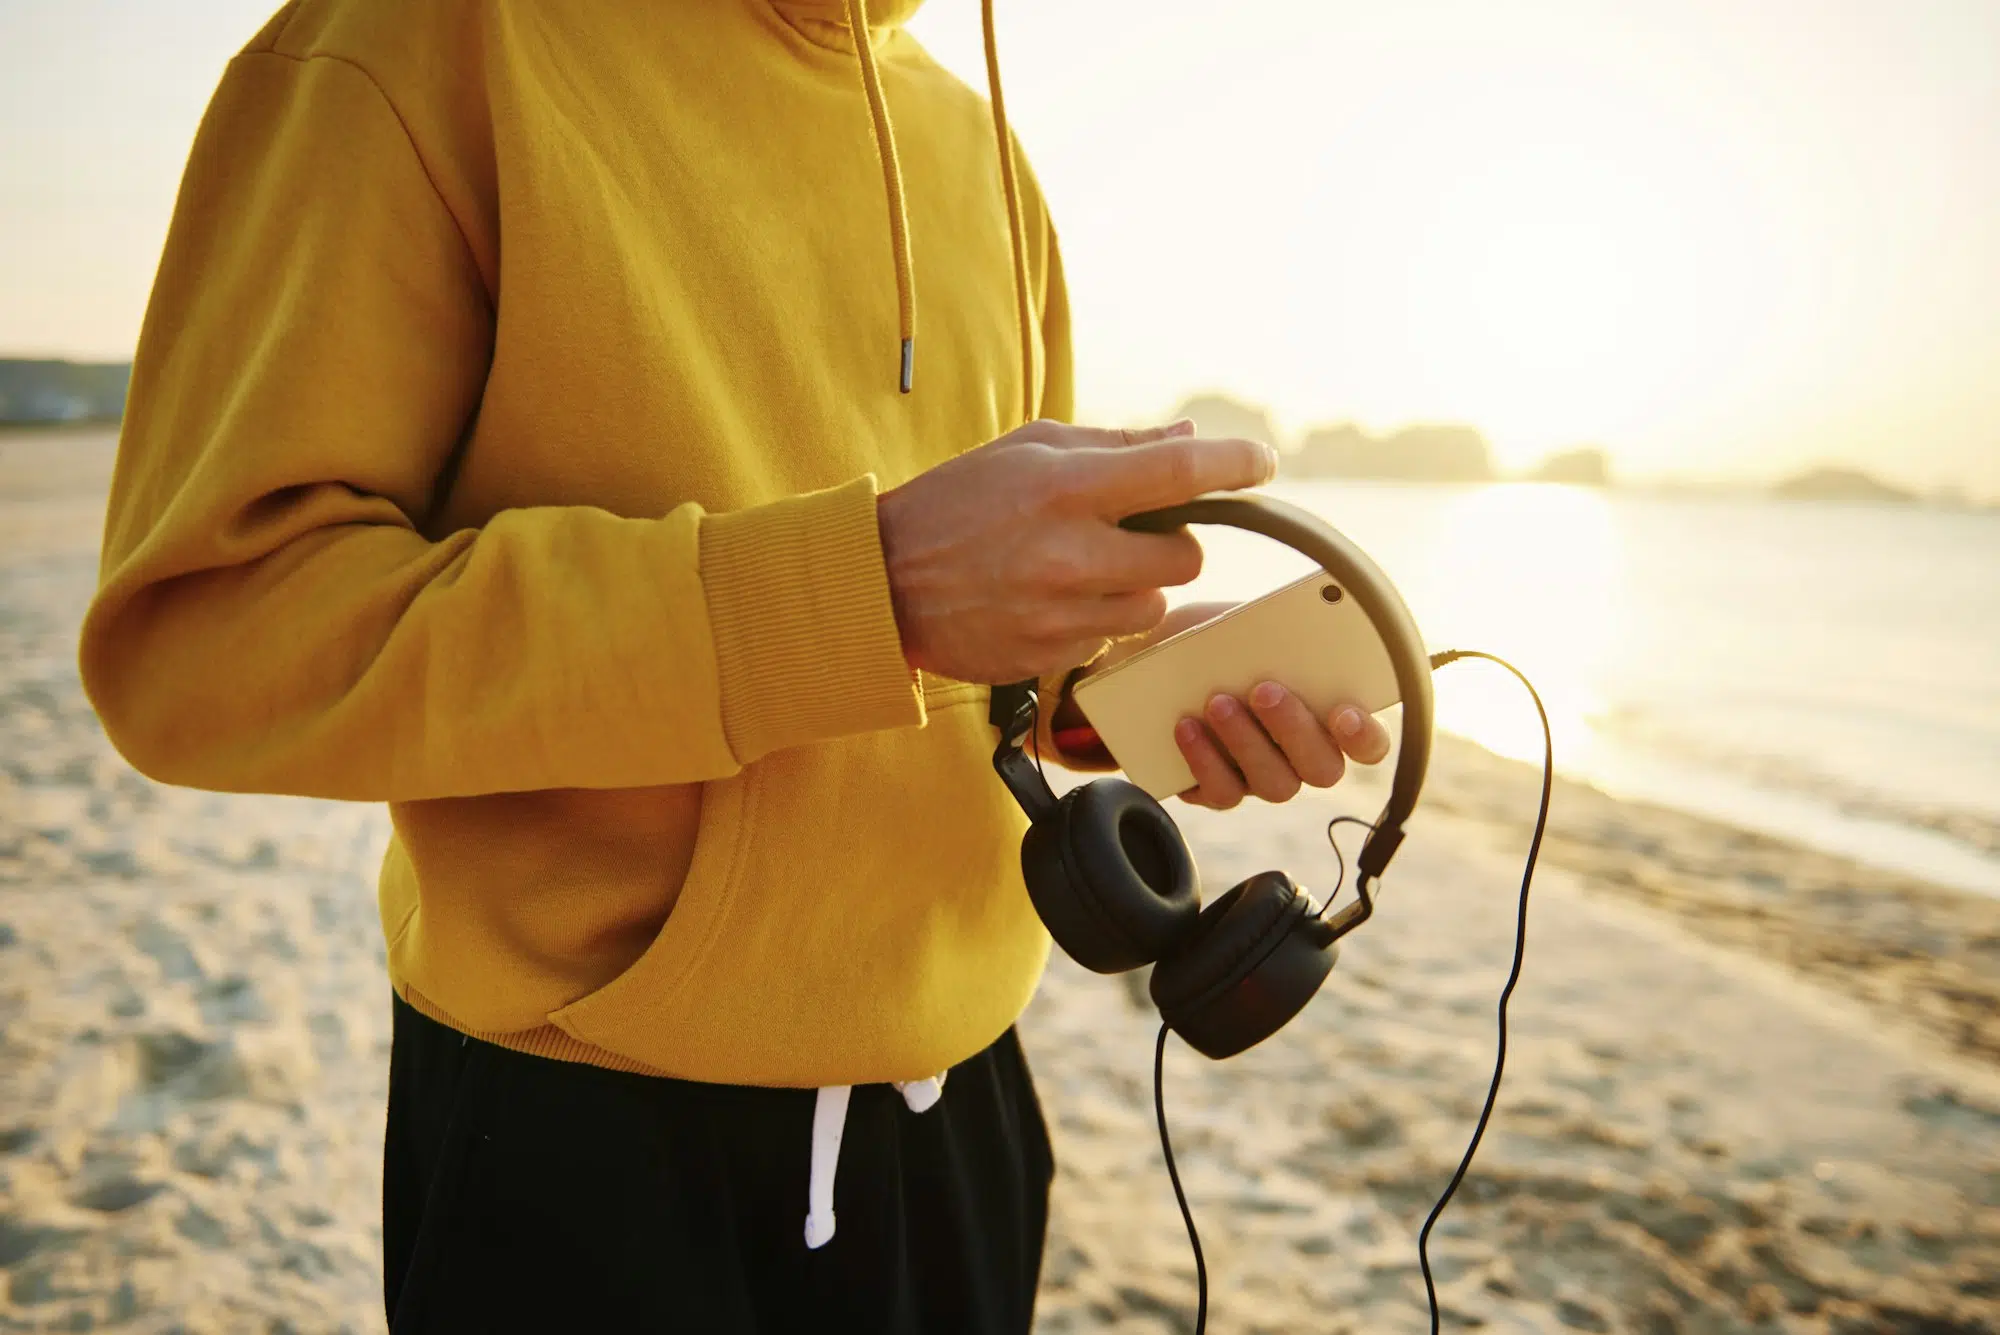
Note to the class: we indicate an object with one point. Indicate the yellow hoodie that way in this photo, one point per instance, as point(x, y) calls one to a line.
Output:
point(503, 444)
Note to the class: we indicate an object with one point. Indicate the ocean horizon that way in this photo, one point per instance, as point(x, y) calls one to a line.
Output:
point(1827, 672)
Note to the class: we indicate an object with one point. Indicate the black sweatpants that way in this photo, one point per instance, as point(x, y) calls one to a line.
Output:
point(524, 1194)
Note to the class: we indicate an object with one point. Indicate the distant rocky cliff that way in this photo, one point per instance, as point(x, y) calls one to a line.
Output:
point(1839, 484)
point(1450, 452)
point(1431, 453)
point(1426, 453)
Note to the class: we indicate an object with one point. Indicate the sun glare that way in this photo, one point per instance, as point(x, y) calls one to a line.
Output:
point(1532, 573)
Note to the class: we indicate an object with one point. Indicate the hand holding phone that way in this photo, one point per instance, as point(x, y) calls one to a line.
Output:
point(1308, 637)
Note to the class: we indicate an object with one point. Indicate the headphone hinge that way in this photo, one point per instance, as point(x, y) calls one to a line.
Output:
point(1023, 777)
point(1382, 844)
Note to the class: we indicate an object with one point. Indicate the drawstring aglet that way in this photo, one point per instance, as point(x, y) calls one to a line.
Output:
point(909, 363)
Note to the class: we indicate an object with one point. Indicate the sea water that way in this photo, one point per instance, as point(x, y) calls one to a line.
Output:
point(1822, 671)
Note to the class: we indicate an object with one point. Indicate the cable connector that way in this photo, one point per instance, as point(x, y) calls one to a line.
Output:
point(1008, 700)
point(1447, 658)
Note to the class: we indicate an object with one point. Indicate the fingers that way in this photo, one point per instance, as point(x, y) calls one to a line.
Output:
point(1104, 560)
point(1360, 734)
point(1068, 435)
point(1217, 782)
point(1263, 766)
point(1271, 745)
point(1134, 613)
point(1308, 748)
point(1090, 622)
point(1125, 560)
point(1180, 426)
point(1167, 472)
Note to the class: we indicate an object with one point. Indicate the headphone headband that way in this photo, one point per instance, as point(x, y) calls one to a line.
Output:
point(1318, 541)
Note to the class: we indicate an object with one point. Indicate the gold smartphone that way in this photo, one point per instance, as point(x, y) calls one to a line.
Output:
point(1308, 636)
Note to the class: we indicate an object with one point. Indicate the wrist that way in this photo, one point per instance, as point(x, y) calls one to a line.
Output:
point(887, 532)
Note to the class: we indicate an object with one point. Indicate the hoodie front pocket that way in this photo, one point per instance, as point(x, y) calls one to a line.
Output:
point(655, 982)
point(858, 916)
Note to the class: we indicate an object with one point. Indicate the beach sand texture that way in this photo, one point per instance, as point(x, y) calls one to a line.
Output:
point(1752, 1088)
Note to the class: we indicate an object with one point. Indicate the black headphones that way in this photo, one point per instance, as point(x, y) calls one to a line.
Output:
point(1113, 879)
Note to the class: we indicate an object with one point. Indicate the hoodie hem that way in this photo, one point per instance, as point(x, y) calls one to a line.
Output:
point(542, 1041)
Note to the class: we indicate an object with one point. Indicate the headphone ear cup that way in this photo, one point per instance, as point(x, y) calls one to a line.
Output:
point(1251, 963)
point(1111, 876)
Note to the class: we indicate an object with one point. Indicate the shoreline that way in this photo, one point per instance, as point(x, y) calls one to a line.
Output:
point(1924, 956)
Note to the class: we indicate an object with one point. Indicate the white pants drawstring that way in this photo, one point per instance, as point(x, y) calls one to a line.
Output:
point(829, 1124)
point(921, 1095)
point(829, 1121)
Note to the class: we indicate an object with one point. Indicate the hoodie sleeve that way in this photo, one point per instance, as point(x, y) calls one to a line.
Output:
point(270, 616)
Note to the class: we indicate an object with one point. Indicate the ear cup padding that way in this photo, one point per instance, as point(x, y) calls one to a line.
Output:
point(1230, 932)
point(1244, 970)
point(1111, 876)
point(1132, 862)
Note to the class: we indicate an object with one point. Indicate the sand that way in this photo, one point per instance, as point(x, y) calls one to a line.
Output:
point(1752, 1088)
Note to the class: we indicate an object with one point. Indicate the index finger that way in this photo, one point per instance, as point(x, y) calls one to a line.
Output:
point(1169, 472)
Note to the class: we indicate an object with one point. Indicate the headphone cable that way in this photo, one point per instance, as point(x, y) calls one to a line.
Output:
point(1174, 1176)
point(1499, 1056)
point(1513, 974)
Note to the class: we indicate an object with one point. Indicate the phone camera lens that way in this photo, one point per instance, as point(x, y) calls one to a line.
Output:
point(1331, 593)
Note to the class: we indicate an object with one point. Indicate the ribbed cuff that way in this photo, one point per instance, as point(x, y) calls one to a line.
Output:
point(806, 644)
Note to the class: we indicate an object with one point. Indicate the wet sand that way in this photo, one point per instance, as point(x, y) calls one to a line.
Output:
point(1752, 1087)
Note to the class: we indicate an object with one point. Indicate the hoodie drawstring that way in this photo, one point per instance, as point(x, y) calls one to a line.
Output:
point(892, 185)
point(829, 1122)
point(1016, 234)
point(899, 218)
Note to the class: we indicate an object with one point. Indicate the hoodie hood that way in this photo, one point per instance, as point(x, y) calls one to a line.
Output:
point(827, 19)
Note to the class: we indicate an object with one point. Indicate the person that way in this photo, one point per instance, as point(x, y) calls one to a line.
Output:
point(530, 430)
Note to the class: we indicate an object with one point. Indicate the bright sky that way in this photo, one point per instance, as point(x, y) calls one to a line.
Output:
point(1718, 237)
